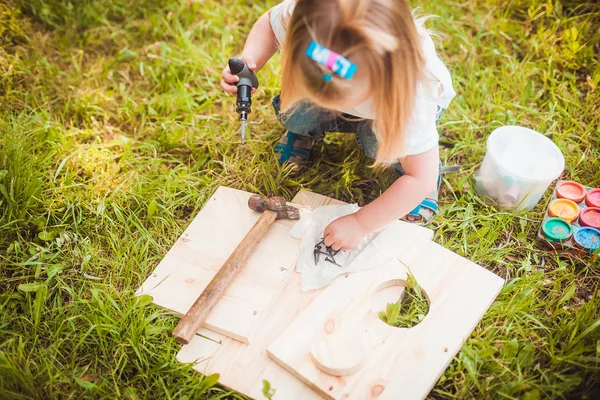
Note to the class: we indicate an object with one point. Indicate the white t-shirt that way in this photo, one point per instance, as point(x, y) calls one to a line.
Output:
point(436, 90)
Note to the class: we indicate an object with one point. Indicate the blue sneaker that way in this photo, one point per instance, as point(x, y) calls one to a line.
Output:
point(426, 211)
point(294, 149)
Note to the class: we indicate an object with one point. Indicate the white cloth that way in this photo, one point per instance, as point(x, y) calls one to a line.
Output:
point(373, 251)
point(436, 90)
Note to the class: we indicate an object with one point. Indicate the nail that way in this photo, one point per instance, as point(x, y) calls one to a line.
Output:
point(333, 262)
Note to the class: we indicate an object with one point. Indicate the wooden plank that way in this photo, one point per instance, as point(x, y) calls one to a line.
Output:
point(398, 362)
point(202, 249)
point(192, 321)
point(243, 367)
point(312, 200)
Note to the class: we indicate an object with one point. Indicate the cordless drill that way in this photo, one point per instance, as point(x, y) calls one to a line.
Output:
point(247, 81)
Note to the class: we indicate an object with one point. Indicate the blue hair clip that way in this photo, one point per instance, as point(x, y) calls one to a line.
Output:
point(332, 60)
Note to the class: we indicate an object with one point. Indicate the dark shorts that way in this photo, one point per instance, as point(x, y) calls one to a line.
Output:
point(306, 119)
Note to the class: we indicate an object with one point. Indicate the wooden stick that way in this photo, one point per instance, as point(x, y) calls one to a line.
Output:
point(192, 321)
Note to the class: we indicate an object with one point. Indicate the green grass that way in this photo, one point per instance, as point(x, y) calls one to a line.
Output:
point(410, 309)
point(113, 133)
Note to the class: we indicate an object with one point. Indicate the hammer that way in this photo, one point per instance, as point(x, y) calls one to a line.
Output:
point(272, 208)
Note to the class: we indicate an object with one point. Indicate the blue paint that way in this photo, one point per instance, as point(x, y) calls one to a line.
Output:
point(588, 238)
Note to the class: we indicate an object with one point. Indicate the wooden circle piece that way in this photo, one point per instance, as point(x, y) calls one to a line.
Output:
point(340, 354)
point(565, 209)
point(590, 217)
point(571, 190)
point(592, 199)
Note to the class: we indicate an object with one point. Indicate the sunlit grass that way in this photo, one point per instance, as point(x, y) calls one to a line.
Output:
point(114, 132)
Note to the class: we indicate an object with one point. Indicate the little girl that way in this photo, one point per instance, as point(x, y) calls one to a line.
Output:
point(361, 66)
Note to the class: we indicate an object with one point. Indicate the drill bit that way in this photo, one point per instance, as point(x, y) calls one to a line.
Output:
point(243, 120)
point(243, 131)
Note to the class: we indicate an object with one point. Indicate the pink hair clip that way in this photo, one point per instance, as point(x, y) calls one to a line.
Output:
point(332, 60)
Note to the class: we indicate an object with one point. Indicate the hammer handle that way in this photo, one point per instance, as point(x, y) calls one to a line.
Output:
point(192, 321)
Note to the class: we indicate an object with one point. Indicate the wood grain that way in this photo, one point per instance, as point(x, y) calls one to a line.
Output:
point(197, 314)
point(244, 367)
point(400, 362)
point(339, 351)
point(204, 247)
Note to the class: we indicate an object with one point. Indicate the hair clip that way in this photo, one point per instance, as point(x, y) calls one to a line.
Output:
point(332, 60)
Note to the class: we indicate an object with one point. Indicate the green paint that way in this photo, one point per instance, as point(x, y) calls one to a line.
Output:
point(557, 230)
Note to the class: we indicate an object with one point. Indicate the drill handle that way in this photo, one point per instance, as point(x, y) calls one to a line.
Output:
point(240, 68)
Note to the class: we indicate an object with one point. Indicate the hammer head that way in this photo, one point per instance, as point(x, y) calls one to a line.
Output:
point(276, 204)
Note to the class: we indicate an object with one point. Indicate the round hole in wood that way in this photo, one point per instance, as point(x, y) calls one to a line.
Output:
point(400, 303)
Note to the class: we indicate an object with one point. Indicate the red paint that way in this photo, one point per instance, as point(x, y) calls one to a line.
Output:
point(592, 199)
point(571, 190)
point(590, 217)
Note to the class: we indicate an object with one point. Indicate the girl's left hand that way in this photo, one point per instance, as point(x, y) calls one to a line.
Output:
point(344, 233)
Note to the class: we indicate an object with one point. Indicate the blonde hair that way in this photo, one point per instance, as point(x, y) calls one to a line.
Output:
point(381, 37)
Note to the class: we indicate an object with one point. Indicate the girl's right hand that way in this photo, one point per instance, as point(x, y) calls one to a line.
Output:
point(228, 80)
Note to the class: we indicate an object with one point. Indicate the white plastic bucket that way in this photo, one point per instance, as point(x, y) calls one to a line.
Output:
point(518, 167)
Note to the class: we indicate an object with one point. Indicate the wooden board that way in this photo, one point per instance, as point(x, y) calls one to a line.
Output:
point(244, 367)
point(387, 362)
point(203, 248)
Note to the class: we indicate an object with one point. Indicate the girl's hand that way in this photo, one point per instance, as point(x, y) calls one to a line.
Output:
point(344, 233)
point(228, 80)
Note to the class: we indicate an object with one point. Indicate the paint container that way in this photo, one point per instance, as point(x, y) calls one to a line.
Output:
point(592, 199)
point(571, 190)
point(565, 209)
point(519, 166)
point(557, 230)
point(587, 239)
point(590, 217)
